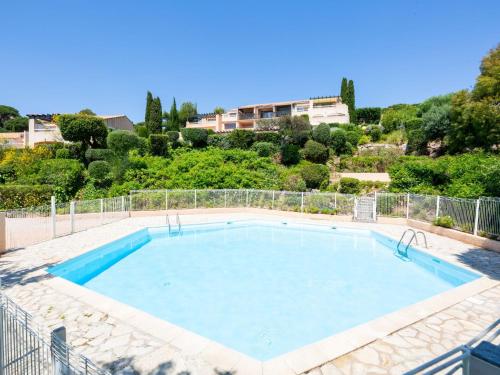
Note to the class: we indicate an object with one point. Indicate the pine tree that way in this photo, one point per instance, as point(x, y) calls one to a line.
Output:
point(155, 117)
point(149, 99)
point(352, 102)
point(343, 90)
point(173, 118)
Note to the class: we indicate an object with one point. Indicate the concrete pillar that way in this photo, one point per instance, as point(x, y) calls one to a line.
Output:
point(31, 130)
point(3, 233)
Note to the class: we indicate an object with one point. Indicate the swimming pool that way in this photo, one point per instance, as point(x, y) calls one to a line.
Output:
point(262, 288)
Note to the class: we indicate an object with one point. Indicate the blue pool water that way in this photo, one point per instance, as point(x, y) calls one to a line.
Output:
point(262, 288)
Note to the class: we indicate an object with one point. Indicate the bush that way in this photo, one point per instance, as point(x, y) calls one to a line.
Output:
point(173, 136)
point(353, 137)
point(93, 154)
point(197, 137)
point(339, 142)
point(142, 131)
point(368, 115)
point(17, 196)
point(349, 185)
point(271, 137)
point(315, 175)
point(315, 152)
point(294, 183)
point(264, 148)
point(218, 140)
point(100, 173)
point(122, 141)
point(242, 139)
point(321, 134)
point(290, 154)
point(63, 153)
point(158, 144)
point(65, 174)
point(444, 221)
point(366, 164)
point(375, 133)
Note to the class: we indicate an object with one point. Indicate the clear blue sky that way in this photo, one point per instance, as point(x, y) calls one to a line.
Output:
point(62, 56)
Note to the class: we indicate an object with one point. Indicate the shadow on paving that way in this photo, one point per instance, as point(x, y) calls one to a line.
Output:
point(125, 366)
point(485, 261)
point(10, 275)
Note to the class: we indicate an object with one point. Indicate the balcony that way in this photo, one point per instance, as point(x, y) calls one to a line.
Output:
point(275, 114)
point(246, 116)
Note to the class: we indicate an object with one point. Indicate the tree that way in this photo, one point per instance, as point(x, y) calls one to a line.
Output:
point(290, 154)
point(7, 113)
point(368, 115)
point(149, 100)
point(16, 124)
point(351, 101)
point(339, 142)
point(122, 141)
point(158, 144)
point(187, 111)
point(343, 90)
point(91, 131)
point(173, 117)
point(315, 152)
point(86, 111)
point(155, 122)
point(219, 110)
point(321, 134)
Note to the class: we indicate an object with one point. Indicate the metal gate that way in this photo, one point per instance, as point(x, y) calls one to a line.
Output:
point(365, 209)
point(24, 351)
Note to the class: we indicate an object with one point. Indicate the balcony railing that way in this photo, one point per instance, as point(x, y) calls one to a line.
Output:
point(275, 114)
point(246, 116)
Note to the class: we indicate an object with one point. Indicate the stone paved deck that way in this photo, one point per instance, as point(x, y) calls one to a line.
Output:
point(122, 347)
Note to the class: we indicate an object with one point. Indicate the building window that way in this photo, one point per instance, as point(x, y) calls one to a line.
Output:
point(230, 126)
point(301, 108)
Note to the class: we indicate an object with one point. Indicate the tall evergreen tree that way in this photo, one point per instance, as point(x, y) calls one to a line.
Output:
point(352, 102)
point(173, 118)
point(155, 117)
point(343, 90)
point(149, 99)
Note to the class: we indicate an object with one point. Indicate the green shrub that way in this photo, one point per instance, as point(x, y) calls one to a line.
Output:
point(444, 221)
point(375, 133)
point(339, 143)
point(294, 183)
point(368, 115)
point(158, 144)
point(66, 175)
point(271, 137)
point(122, 141)
point(63, 153)
point(173, 136)
point(93, 154)
point(321, 134)
point(17, 196)
point(349, 185)
point(315, 152)
point(264, 148)
point(365, 164)
point(197, 137)
point(218, 140)
point(315, 175)
point(353, 137)
point(100, 173)
point(142, 131)
point(91, 131)
point(242, 139)
point(290, 154)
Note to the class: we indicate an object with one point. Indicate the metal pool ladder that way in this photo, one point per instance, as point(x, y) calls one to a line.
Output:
point(179, 226)
point(167, 218)
point(414, 236)
point(178, 221)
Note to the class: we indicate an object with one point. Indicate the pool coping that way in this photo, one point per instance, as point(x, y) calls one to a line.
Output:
point(293, 362)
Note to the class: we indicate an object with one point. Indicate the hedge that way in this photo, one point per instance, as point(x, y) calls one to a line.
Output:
point(158, 144)
point(17, 196)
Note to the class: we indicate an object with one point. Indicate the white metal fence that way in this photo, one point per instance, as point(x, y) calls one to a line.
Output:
point(24, 350)
point(28, 226)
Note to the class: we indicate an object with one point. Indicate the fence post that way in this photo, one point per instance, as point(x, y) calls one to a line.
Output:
point(195, 198)
point(59, 351)
point(247, 199)
point(3, 245)
point(130, 203)
point(302, 202)
point(225, 198)
point(375, 207)
point(438, 199)
point(407, 206)
point(476, 218)
point(72, 216)
point(53, 215)
point(272, 203)
point(102, 210)
point(123, 203)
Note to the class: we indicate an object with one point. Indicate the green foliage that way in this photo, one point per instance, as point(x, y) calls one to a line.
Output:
point(174, 122)
point(93, 154)
point(197, 137)
point(487, 85)
point(290, 154)
point(368, 115)
point(374, 133)
point(63, 153)
point(219, 110)
point(351, 102)
point(90, 192)
point(264, 149)
point(173, 136)
point(66, 175)
point(315, 152)
point(295, 129)
point(353, 137)
point(339, 143)
point(186, 111)
point(155, 120)
point(122, 141)
point(349, 185)
point(397, 116)
point(294, 183)
point(89, 130)
point(141, 130)
point(15, 196)
point(366, 164)
point(343, 91)
point(396, 137)
point(158, 144)
point(218, 140)
point(315, 175)
point(239, 138)
point(149, 100)
point(321, 134)
point(444, 221)
point(100, 173)
point(267, 136)
point(436, 121)
point(87, 111)
point(16, 124)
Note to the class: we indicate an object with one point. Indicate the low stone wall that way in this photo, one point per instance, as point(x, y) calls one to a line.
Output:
point(485, 243)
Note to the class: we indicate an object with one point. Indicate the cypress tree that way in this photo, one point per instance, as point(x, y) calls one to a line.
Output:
point(173, 118)
point(155, 120)
point(149, 99)
point(352, 102)
point(343, 90)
